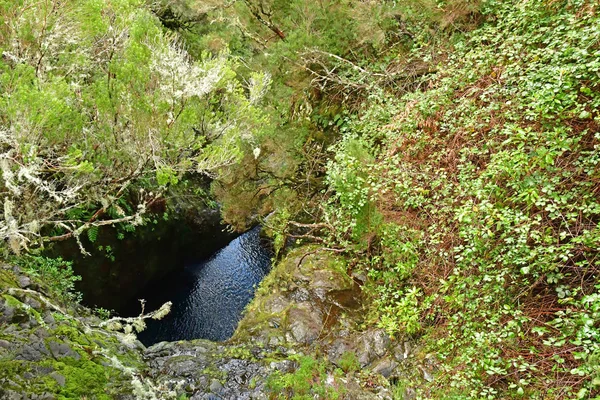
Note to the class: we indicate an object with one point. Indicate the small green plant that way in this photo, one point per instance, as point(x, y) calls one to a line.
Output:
point(307, 382)
point(103, 312)
point(55, 272)
point(349, 363)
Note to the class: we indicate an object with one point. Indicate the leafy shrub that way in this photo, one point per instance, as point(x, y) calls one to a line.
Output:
point(306, 382)
point(349, 362)
point(56, 273)
point(113, 104)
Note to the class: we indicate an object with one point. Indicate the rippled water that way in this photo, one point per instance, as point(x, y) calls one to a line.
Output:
point(208, 297)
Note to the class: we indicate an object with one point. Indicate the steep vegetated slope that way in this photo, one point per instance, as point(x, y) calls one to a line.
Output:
point(462, 180)
point(472, 204)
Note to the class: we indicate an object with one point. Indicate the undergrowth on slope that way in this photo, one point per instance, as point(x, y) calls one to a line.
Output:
point(473, 205)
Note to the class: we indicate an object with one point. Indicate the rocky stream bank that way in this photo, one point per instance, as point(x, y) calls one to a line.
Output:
point(300, 337)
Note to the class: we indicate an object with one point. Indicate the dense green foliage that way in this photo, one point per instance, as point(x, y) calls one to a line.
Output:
point(449, 149)
point(102, 109)
point(465, 186)
point(306, 382)
point(473, 205)
point(56, 273)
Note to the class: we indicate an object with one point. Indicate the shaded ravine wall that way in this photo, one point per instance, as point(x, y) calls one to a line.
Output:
point(113, 279)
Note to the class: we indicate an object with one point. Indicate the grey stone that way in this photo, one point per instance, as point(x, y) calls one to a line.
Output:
point(6, 312)
point(182, 368)
point(373, 344)
point(385, 367)
point(275, 340)
point(324, 281)
point(49, 319)
point(409, 349)
point(61, 350)
point(276, 304)
point(359, 276)
point(10, 395)
point(363, 354)
point(399, 352)
point(215, 386)
point(16, 315)
point(300, 295)
point(381, 342)
point(40, 333)
point(410, 394)
point(43, 370)
point(5, 344)
point(426, 375)
point(259, 396)
point(24, 281)
point(305, 326)
point(33, 303)
point(337, 350)
point(60, 379)
point(285, 366)
point(32, 352)
point(43, 396)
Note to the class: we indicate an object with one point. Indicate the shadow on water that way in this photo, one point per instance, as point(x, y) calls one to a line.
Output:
point(209, 297)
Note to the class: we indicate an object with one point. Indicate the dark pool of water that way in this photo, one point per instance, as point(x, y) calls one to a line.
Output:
point(209, 297)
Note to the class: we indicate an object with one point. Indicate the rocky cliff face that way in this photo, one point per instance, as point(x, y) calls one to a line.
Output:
point(300, 336)
point(50, 350)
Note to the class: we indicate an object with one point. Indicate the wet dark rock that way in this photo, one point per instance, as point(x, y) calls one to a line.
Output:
point(311, 309)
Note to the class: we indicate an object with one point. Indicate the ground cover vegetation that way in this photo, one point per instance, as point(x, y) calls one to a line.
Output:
point(447, 149)
point(472, 205)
